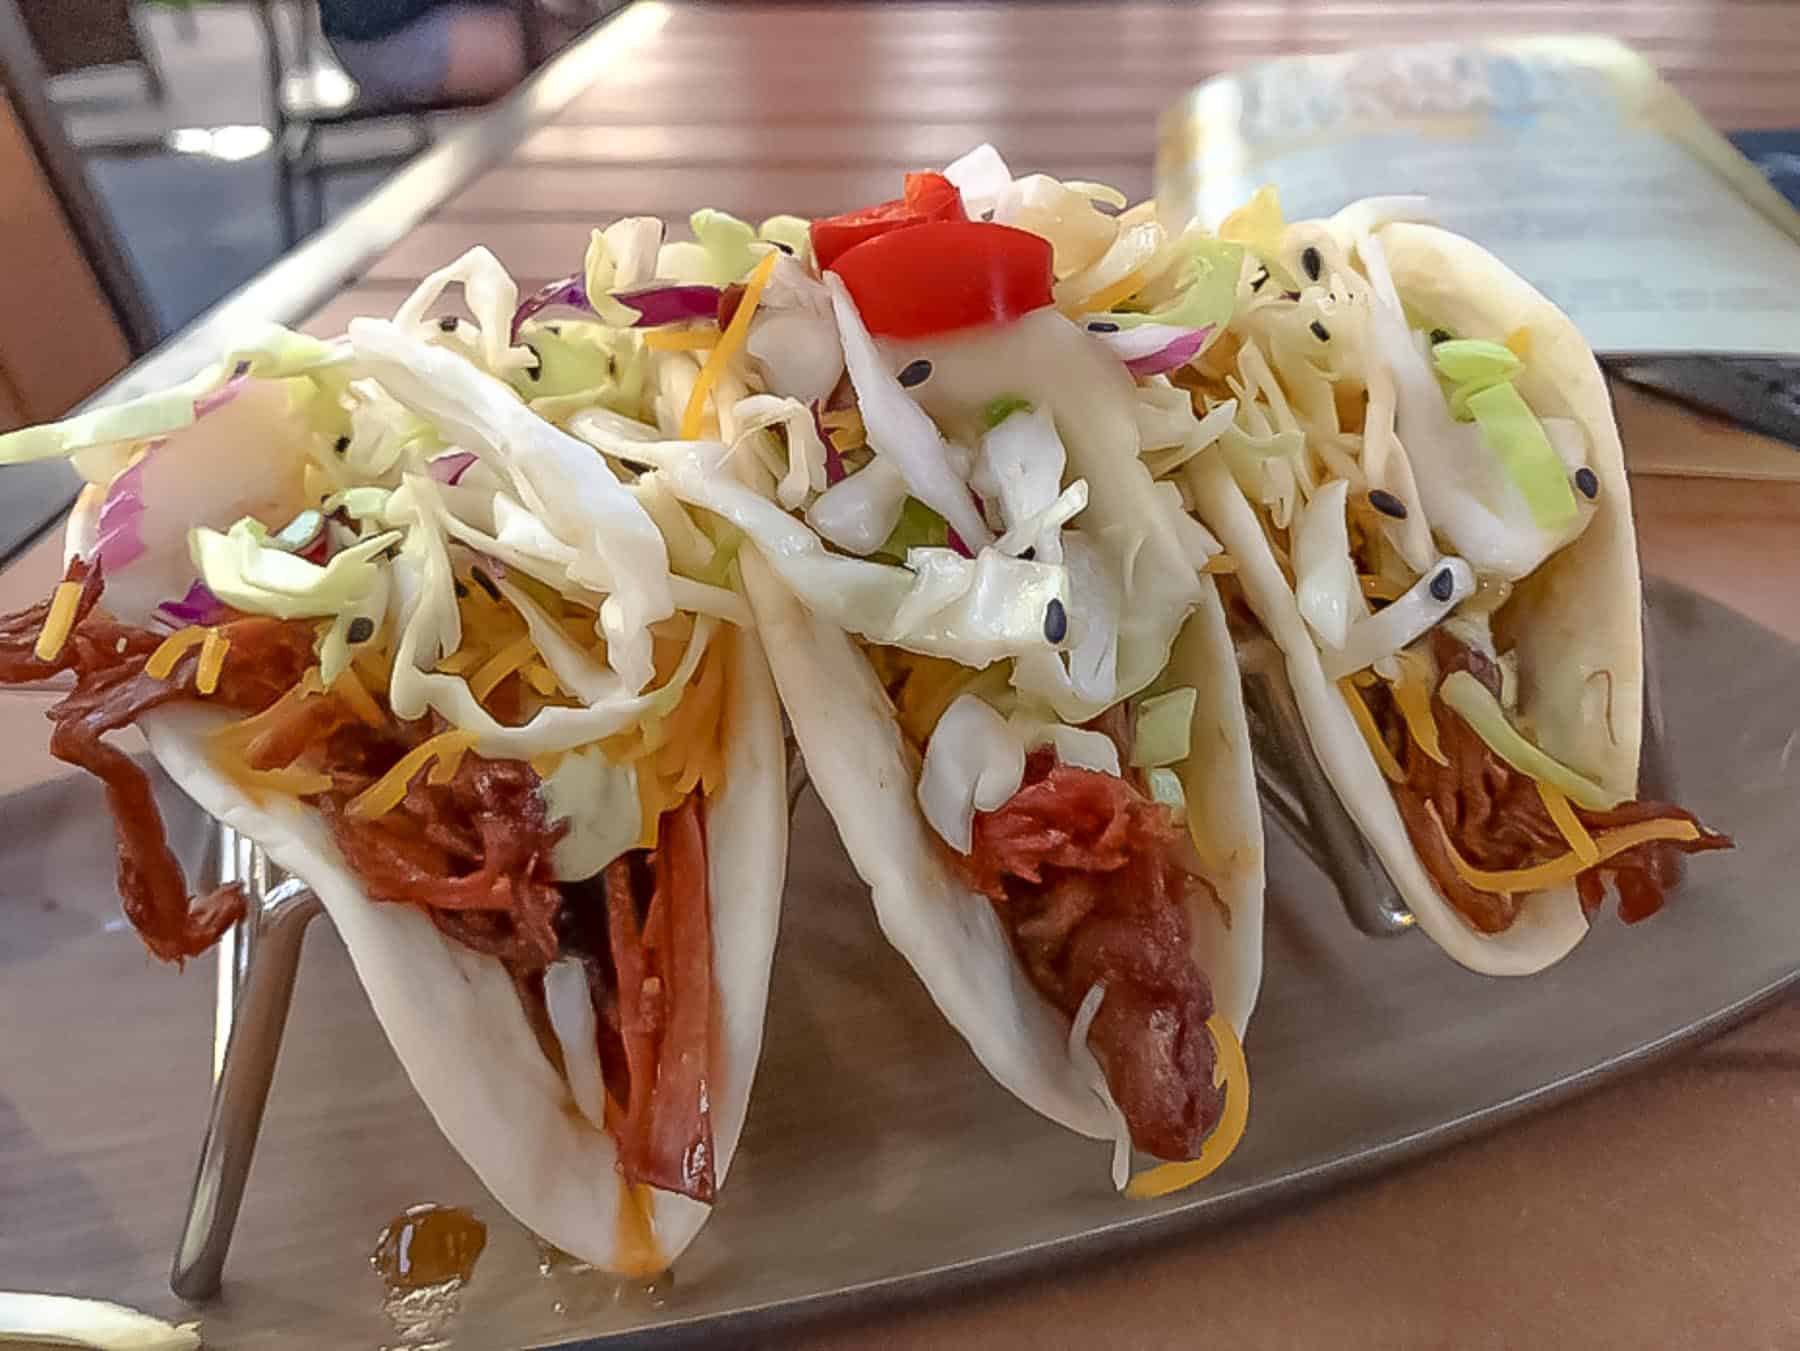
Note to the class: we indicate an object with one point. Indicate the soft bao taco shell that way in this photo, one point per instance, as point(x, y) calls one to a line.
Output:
point(1575, 619)
point(453, 1016)
point(867, 776)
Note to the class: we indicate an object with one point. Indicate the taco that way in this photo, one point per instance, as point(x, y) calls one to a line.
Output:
point(1418, 473)
point(994, 633)
point(438, 659)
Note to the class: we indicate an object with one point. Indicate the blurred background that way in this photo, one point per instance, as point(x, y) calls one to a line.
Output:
point(215, 134)
point(158, 154)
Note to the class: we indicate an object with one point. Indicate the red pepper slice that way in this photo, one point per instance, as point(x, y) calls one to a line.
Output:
point(928, 197)
point(946, 275)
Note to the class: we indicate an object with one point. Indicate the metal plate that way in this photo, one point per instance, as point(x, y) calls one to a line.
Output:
point(878, 1160)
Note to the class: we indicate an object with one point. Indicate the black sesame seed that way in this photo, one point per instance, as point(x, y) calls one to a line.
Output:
point(1056, 621)
point(1319, 331)
point(536, 369)
point(462, 592)
point(240, 370)
point(362, 628)
point(1588, 482)
point(342, 444)
point(1312, 262)
point(554, 330)
point(486, 583)
point(1387, 504)
point(1256, 282)
point(916, 373)
point(1029, 553)
point(1443, 586)
point(785, 248)
point(1439, 335)
point(1103, 326)
point(448, 323)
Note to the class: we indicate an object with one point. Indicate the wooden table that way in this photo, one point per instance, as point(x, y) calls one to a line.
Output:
point(1657, 1212)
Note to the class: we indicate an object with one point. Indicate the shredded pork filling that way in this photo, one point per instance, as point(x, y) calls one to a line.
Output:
point(473, 852)
point(1496, 820)
point(1093, 881)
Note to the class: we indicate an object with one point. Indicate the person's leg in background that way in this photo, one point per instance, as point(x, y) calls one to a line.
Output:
point(486, 51)
point(456, 51)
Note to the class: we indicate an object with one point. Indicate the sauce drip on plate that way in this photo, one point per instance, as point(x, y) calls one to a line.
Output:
point(428, 1245)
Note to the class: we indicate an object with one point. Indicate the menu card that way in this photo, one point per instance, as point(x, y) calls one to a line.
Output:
point(1568, 157)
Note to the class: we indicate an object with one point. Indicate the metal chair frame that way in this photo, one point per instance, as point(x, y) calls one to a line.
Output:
point(299, 53)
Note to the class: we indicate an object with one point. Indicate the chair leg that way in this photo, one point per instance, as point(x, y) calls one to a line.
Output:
point(284, 194)
point(315, 179)
point(289, 156)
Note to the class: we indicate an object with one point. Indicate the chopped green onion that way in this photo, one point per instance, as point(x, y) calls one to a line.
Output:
point(1002, 408)
point(299, 532)
point(1165, 787)
point(1476, 705)
point(919, 527)
point(1161, 734)
point(1512, 431)
point(794, 231)
point(360, 503)
point(1475, 359)
point(1209, 288)
point(727, 242)
point(245, 569)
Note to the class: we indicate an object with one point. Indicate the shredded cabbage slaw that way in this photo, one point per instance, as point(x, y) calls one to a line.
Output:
point(554, 489)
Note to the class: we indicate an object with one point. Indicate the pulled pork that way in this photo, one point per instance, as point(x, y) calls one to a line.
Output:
point(1093, 880)
point(113, 691)
point(1498, 822)
point(473, 853)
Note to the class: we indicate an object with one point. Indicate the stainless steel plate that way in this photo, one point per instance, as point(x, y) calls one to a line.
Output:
point(879, 1160)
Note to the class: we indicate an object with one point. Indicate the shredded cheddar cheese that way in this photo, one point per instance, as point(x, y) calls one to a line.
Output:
point(1570, 865)
point(444, 768)
point(1234, 1075)
point(685, 750)
point(258, 783)
point(1220, 565)
point(681, 340)
point(1379, 588)
point(1412, 696)
point(1365, 723)
point(541, 678)
point(172, 649)
point(212, 660)
point(356, 696)
point(503, 663)
point(730, 342)
point(844, 429)
point(58, 622)
point(1108, 296)
point(460, 660)
point(385, 793)
point(1518, 342)
point(1580, 842)
point(248, 729)
point(921, 687)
